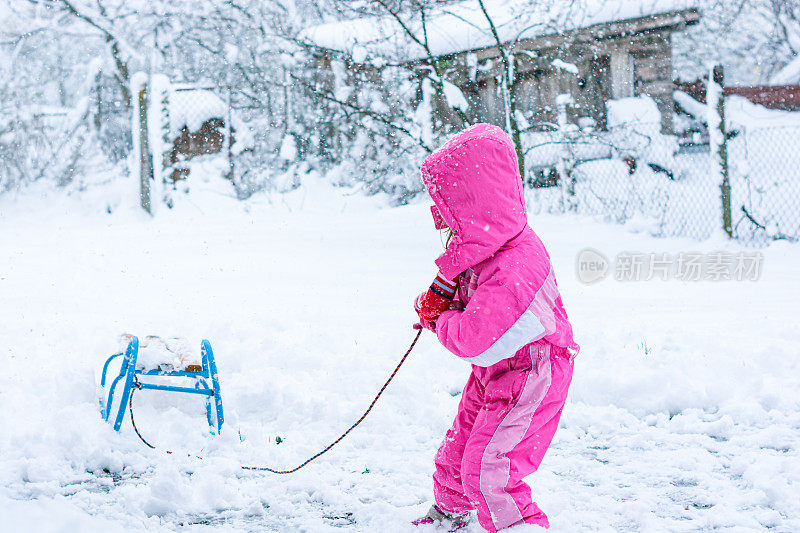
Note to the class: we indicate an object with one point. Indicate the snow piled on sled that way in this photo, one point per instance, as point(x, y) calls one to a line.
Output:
point(684, 413)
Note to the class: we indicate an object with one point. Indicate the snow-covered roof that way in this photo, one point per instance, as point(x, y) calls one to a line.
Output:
point(463, 26)
point(741, 111)
point(193, 107)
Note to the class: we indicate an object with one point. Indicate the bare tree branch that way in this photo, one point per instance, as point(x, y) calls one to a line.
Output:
point(433, 60)
point(122, 75)
point(361, 111)
point(510, 89)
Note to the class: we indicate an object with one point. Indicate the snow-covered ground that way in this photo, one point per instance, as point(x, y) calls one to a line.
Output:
point(684, 413)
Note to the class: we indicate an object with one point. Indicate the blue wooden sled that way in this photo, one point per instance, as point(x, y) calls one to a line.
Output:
point(128, 372)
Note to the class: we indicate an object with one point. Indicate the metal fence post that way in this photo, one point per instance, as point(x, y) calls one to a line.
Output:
point(722, 149)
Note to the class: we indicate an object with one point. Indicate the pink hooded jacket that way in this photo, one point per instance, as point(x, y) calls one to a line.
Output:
point(511, 295)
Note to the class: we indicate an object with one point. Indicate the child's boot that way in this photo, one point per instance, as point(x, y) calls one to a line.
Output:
point(451, 521)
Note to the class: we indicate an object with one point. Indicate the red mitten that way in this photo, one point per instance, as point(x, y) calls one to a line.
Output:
point(430, 326)
point(429, 305)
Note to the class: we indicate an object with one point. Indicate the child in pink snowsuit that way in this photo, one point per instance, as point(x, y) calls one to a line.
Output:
point(506, 319)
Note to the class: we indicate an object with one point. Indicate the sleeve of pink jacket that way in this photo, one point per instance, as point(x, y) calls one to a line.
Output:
point(492, 327)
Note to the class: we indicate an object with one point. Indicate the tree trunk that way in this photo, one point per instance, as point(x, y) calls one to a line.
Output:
point(515, 133)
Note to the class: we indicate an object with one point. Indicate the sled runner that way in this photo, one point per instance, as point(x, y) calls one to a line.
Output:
point(164, 358)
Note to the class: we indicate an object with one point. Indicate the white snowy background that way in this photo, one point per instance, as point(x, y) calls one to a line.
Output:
point(684, 412)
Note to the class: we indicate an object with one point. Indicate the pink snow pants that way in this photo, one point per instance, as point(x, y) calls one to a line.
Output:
point(506, 420)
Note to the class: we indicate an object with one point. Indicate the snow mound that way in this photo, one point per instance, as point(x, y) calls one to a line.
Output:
point(635, 111)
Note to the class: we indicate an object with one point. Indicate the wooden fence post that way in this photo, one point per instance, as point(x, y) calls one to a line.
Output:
point(229, 133)
point(159, 141)
point(145, 156)
point(722, 148)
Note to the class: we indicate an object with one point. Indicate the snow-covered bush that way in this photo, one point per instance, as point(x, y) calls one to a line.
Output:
point(629, 174)
point(48, 113)
point(55, 145)
point(634, 125)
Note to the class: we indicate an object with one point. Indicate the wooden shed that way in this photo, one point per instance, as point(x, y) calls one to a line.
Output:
point(620, 49)
point(197, 124)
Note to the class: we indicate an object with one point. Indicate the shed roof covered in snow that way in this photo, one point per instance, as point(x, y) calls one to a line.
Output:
point(192, 107)
point(463, 26)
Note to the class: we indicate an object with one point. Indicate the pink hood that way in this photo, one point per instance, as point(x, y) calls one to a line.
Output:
point(512, 298)
point(474, 182)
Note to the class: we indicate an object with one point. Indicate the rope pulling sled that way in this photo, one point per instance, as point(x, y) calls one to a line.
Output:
point(209, 370)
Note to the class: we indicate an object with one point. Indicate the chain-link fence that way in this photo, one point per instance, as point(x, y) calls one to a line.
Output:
point(765, 180)
point(640, 177)
point(181, 129)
